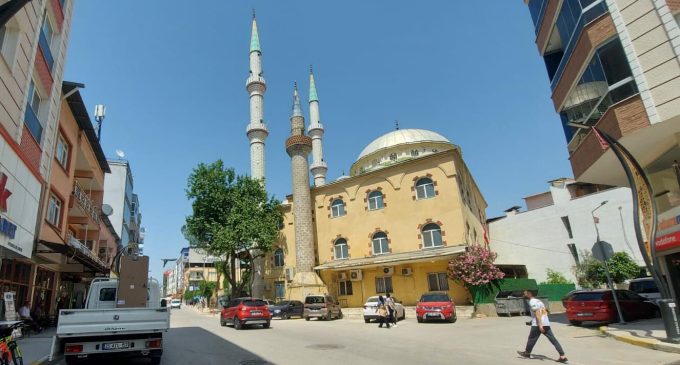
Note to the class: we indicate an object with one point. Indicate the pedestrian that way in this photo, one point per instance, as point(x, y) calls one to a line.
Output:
point(392, 308)
point(381, 309)
point(540, 324)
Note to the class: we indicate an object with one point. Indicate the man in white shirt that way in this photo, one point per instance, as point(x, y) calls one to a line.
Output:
point(25, 311)
point(540, 324)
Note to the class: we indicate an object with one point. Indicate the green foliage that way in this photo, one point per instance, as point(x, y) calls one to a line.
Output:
point(556, 277)
point(206, 288)
point(591, 273)
point(232, 217)
point(189, 294)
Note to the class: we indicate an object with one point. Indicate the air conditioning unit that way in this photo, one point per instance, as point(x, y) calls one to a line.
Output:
point(388, 270)
point(406, 271)
point(342, 276)
point(290, 273)
point(355, 275)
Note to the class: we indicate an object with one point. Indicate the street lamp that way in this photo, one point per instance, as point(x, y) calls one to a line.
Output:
point(99, 114)
point(600, 246)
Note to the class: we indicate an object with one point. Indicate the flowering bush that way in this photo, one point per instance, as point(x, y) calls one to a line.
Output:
point(475, 269)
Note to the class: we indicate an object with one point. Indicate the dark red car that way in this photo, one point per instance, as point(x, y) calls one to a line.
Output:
point(241, 312)
point(598, 306)
point(436, 306)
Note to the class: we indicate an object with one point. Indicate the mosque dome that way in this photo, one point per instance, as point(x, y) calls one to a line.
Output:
point(398, 145)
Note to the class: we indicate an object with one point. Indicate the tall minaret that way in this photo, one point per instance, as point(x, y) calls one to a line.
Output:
point(319, 167)
point(257, 129)
point(298, 147)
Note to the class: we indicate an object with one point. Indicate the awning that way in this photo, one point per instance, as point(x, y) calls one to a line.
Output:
point(89, 260)
point(394, 258)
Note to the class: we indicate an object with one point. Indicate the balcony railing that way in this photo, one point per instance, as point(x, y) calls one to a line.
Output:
point(80, 247)
point(85, 202)
point(33, 123)
point(47, 52)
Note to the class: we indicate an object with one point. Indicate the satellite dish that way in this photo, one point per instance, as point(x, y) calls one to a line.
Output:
point(120, 153)
point(107, 210)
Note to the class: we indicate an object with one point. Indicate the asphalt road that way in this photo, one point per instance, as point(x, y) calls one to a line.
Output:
point(199, 339)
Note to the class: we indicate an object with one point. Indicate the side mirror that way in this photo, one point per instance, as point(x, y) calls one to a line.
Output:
point(164, 303)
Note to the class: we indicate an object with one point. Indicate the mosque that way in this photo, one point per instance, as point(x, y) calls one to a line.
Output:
point(408, 207)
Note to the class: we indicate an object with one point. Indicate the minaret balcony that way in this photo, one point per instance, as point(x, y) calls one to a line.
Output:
point(257, 129)
point(319, 167)
point(255, 80)
point(315, 128)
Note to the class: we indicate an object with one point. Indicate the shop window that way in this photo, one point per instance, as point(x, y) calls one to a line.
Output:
point(432, 236)
point(341, 249)
point(438, 281)
point(383, 285)
point(345, 288)
point(380, 244)
point(14, 277)
point(278, 258)
point(375, 200)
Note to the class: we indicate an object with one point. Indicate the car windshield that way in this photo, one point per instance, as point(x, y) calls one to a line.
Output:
point(372, 300)
point(314, 300)
point(175, 300)
point(254, 303)
point(587, 297)
point(435, 298)
point(285, 302)
point(644, 287)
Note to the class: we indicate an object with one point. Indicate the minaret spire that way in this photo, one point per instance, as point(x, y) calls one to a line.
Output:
point(316, 130)
point(257, 128)
point(297, 108)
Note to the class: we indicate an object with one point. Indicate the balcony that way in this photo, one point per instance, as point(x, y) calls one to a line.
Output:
point(45, 48)
point(81, 249)
point(85, 202)
point(33, 123)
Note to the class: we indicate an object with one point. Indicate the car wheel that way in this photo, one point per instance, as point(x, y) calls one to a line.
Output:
point(403, 315)
point(306, 318)
point(286, 316)
point(237, 324)
point(155, 360)
point(266, 325)
point(223, 323)
point(420, 320)
point(340, 315)
point(575, 323)
point(366, 320)
point(453, 318)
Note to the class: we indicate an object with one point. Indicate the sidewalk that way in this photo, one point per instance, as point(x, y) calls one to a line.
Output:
point(647, 333)
point(36, 347)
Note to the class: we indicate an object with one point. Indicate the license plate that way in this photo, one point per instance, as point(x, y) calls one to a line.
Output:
point(437, 315)
point(256, 313)
point(584, 314)
point(116, 346)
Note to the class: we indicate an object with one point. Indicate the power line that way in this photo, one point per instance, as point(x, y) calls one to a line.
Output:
point(527, 246)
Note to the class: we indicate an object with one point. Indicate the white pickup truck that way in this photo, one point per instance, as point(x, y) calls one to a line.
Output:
point(102, 330)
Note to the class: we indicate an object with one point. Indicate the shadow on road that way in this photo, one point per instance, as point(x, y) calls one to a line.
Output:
point(192, 346)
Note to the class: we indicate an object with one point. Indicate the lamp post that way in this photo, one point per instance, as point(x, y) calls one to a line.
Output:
point(596, 220)
point(99, 114)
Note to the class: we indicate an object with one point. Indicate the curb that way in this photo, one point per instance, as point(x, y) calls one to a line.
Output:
point(642, 342)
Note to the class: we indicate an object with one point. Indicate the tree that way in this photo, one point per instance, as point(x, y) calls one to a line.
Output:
point(591, 273)
point(232, 218)
point(475, 269)
point(556, 277)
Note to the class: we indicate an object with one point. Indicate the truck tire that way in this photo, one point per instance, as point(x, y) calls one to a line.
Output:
point(155, 360)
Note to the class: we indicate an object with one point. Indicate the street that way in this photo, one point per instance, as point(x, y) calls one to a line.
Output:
point(199, 339)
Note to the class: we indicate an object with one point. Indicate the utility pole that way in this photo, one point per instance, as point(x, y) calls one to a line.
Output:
point(604, 257)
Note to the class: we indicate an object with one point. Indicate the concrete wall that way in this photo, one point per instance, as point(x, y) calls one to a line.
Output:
point(538, 238)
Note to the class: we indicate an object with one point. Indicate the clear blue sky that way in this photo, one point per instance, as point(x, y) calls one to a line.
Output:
point(172, 75)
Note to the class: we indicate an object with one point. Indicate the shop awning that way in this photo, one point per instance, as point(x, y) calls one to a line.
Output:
point(394, 258)
point(82, 254)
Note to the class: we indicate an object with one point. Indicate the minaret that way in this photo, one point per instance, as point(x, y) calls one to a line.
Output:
point(257, 129)
point(319, 167)
point(257, 134)
point(298, 147)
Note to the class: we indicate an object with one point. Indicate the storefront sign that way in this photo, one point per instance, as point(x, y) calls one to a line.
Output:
point(10, 310)
point(668, 234)
point(7, 228)
point(668, 241)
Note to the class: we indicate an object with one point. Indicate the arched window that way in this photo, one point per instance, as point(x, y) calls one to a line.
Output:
point(341, 249)
point(375, 200)
point(424, 188)
point(380, 244)
point(278, 258)
point(432, 236)
point(337, 208)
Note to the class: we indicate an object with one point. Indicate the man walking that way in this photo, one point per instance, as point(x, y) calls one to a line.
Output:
point(392, 307)
point(540, 324)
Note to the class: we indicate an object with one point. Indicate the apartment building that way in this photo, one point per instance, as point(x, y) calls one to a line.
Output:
point(118, 193)
point(615, 64)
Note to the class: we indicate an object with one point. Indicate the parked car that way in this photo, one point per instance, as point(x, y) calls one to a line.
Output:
point(287, 308)
point(371, 305)
point(176, 303)
point(598, 306)
point(436, 306)
point(645, 287)
point(241, 312)
point(322, 307)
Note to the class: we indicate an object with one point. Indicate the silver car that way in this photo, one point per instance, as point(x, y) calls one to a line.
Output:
point(321, 306)
point(371, 309)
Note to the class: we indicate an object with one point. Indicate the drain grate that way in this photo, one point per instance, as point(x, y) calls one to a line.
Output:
point(325, 346)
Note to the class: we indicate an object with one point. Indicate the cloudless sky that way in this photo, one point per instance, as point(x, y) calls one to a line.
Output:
point(172, 75)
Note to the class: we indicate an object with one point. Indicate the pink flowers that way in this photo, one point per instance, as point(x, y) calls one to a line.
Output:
point(475, 267)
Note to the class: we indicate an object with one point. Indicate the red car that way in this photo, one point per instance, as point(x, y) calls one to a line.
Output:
point(436, 306)
point(598, 306)
point(240, 312)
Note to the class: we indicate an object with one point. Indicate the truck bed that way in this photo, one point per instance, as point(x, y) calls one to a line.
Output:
point(102, 322)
